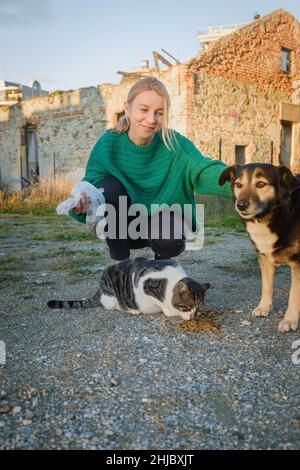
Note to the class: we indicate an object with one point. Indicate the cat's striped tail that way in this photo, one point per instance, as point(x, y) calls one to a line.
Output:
point(86, 303)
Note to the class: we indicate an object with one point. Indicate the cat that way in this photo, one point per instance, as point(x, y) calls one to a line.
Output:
point(145, 286)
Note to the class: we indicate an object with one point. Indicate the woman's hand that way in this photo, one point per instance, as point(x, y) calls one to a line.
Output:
point(82, 205)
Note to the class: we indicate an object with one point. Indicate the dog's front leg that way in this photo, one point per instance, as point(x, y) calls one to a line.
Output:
point(267, 276)
point(291, 318)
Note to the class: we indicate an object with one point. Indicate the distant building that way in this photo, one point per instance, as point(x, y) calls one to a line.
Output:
point(213, 33)
point(11, 93)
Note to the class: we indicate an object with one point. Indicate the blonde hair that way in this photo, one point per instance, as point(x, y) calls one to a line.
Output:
point(146, 84)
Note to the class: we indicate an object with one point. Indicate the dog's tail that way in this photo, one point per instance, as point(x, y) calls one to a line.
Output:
point(84, 303)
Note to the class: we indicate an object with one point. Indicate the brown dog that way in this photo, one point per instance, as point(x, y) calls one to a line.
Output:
point(267, 198)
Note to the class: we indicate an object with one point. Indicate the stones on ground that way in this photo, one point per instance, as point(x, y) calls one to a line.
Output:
point(26, 422)
point(5, 409)
point(246, 323)
point(173, 383)
point(16, 410)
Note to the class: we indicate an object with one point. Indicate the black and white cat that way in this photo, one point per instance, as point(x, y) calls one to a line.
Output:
point(145, 286)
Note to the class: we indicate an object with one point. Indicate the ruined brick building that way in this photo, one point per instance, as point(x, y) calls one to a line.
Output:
point(239, 101)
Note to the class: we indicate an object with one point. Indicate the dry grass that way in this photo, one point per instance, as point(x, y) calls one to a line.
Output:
point(41, 198)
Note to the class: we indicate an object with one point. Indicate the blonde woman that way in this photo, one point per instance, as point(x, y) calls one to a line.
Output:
point(144, 161)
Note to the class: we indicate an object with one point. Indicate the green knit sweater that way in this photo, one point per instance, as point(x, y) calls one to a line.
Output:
point(152, 174)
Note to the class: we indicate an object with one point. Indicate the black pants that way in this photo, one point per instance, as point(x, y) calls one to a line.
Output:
point(120, 248)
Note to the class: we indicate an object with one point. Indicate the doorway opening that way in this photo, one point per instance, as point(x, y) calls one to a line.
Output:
point(30, 170)
point(286, 143)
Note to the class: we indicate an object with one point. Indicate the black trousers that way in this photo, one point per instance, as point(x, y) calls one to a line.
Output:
point(120, 247)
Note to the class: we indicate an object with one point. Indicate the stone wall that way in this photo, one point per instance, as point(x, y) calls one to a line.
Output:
point(67, 123)
point(228, 114)
point(10, 146)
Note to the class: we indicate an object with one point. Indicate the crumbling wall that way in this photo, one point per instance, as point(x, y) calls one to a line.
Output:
point(68, 125)
point(236, 90)
point(10, 146)
point(252, 54)
point(228, 114)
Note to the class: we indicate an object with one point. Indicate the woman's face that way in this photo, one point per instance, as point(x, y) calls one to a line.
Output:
point(145, 113)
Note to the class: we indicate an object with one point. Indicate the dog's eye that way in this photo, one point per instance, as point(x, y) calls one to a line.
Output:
point(260, 184)
point(238, 185)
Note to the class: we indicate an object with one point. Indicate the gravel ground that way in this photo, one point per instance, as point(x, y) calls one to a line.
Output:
point(96, 379)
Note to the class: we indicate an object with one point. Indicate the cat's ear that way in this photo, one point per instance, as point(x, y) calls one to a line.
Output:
point(205, 287)
point(183, 290)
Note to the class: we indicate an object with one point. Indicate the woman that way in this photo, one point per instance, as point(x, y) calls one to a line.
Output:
point(147, 163)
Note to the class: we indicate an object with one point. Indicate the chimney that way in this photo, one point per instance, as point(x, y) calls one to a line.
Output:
point(145, 63)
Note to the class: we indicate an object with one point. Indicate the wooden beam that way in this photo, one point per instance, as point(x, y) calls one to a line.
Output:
point(130, 74)
point(162, 59)
point(156, 64)
point(172, 57)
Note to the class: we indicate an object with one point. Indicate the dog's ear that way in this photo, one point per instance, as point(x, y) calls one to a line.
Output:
point(228, 174)
point(287, 178)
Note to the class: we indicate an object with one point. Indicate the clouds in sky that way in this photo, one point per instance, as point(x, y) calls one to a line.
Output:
point(16, 13)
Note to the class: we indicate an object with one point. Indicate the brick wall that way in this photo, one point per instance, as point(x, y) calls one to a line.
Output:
point(226, 114)
point(236, 89)
point(252, 55)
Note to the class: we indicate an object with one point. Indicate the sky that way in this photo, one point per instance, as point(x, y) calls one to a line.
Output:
point(69, 44)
